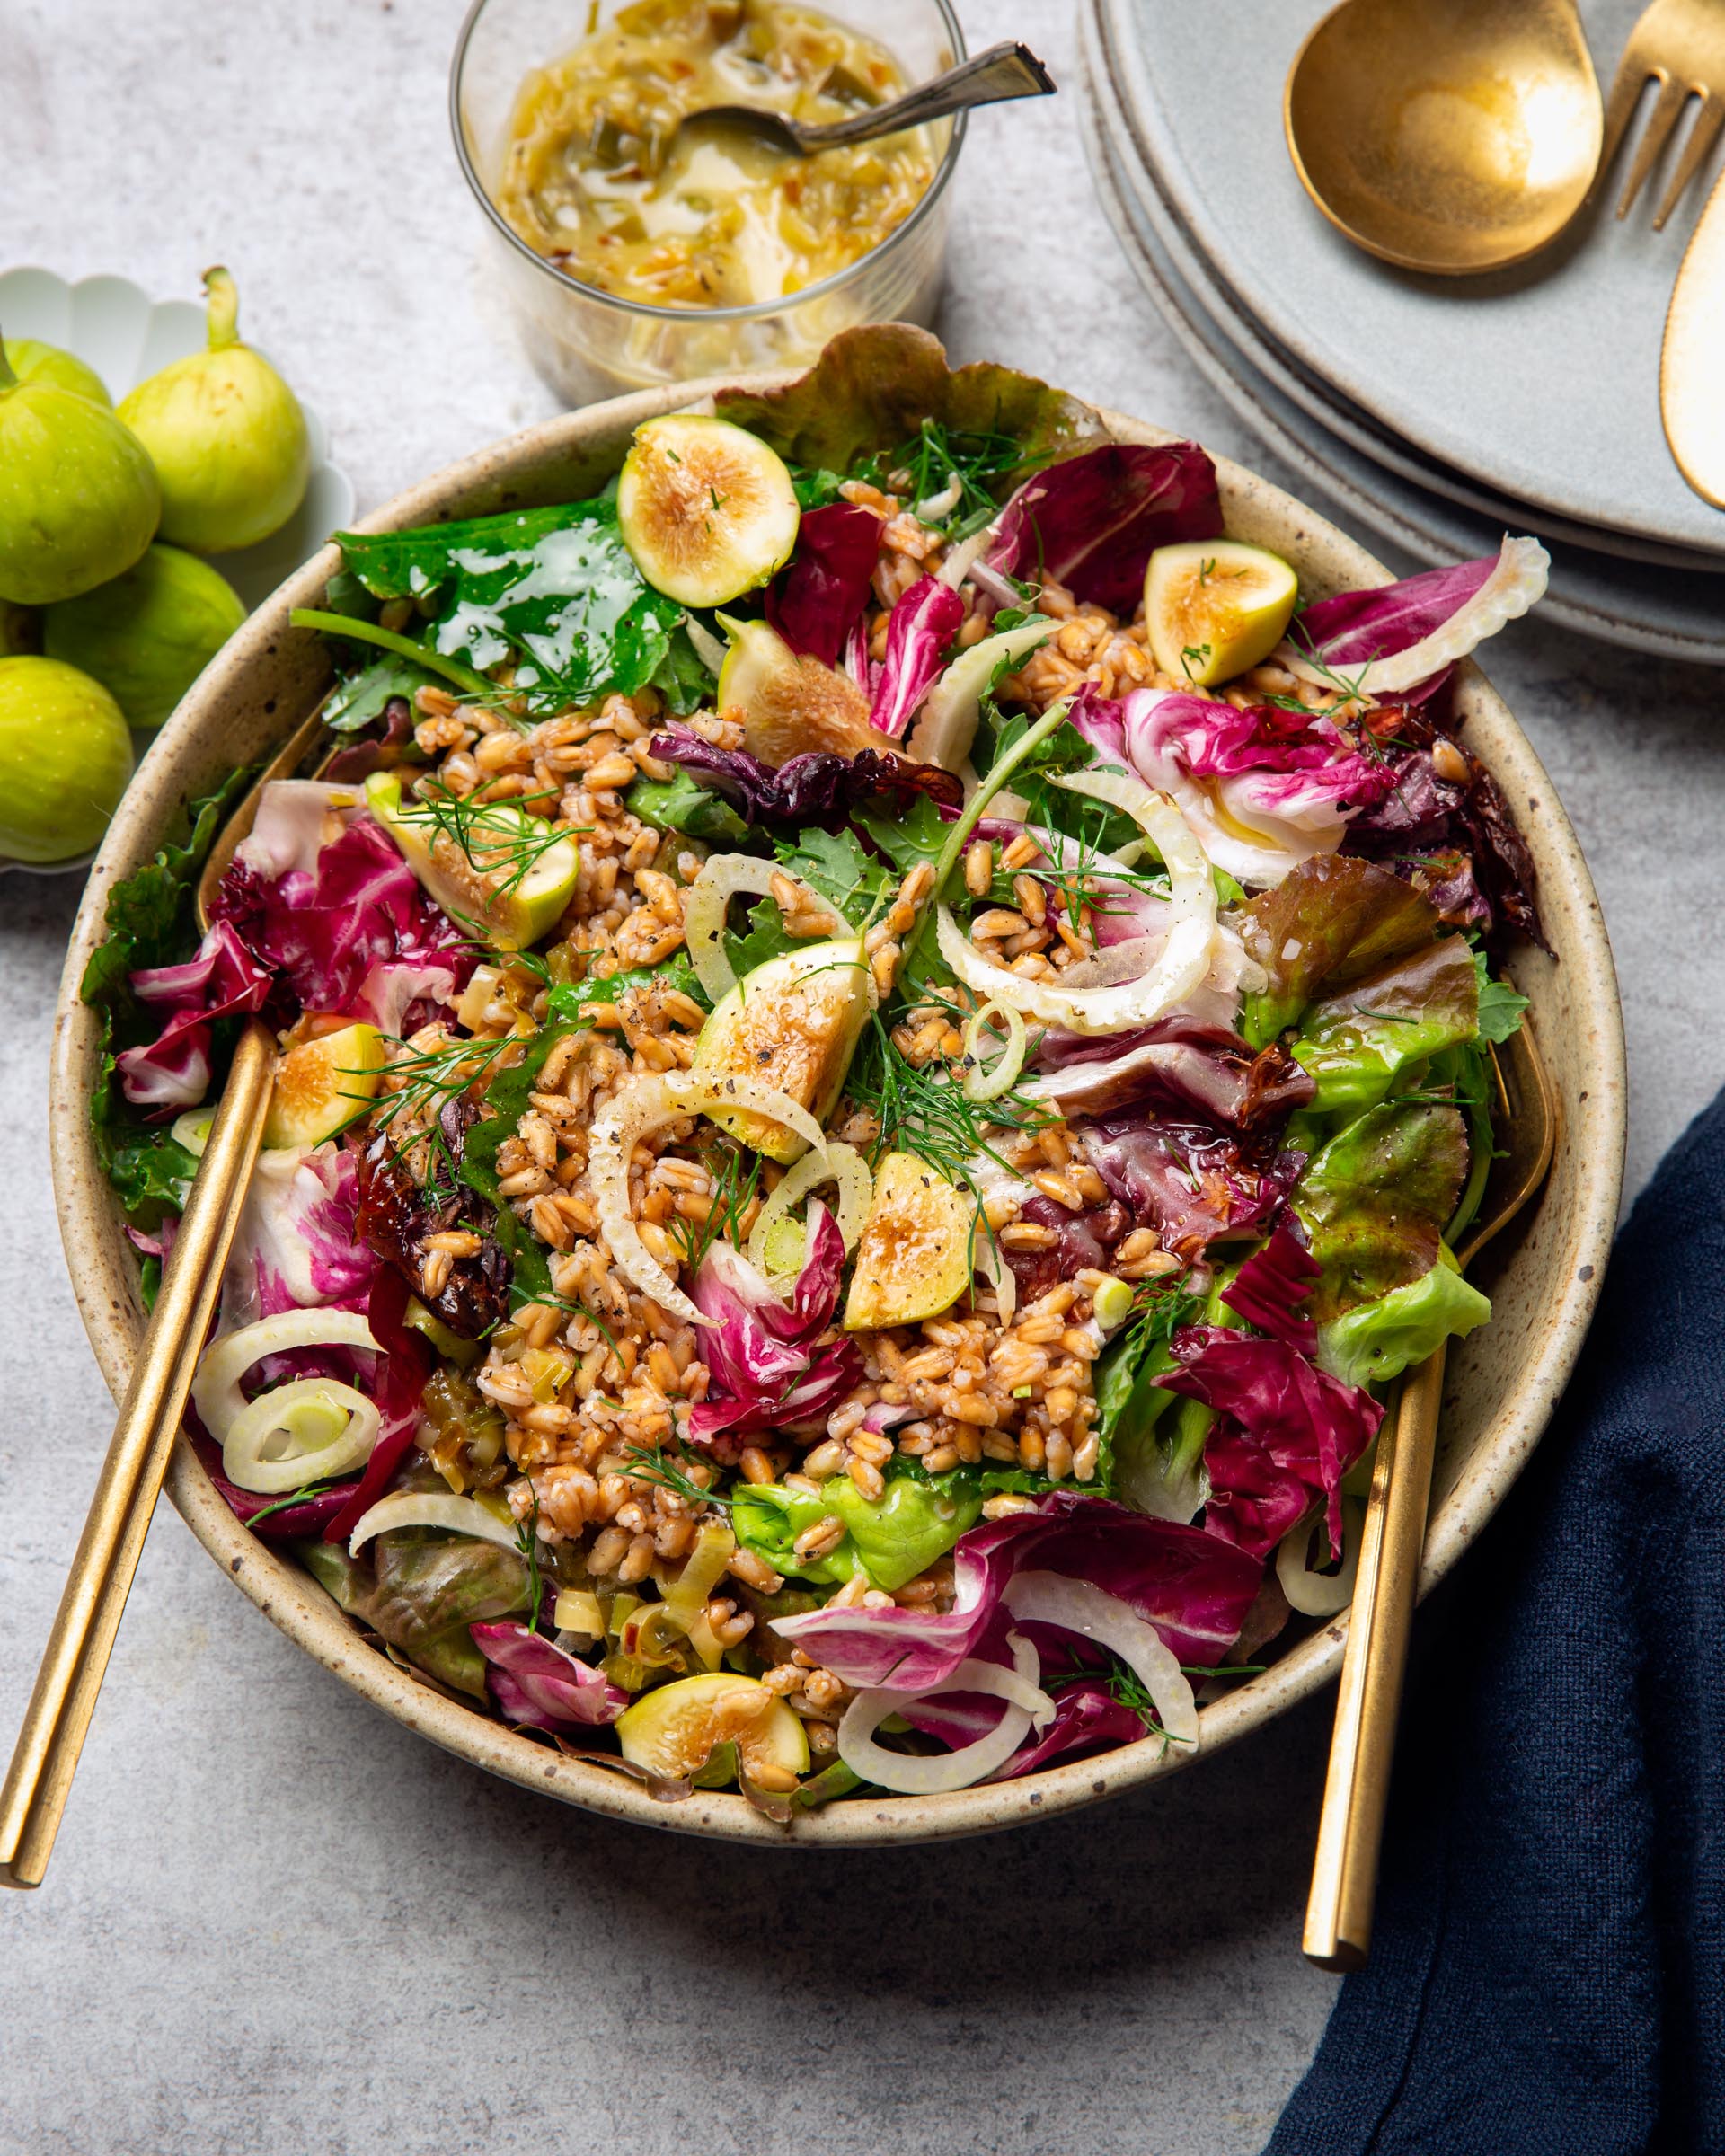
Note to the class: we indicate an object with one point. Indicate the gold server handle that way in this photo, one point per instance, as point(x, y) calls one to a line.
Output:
point(45, 1755)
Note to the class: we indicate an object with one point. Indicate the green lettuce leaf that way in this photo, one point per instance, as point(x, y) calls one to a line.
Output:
point(1500, 1007)
point(678, 804)
point(151, 921)
point(360, 698)
point(872, 387)
point(1376, 1200)
point(1330, 921)
point(553, 589)
point(1378, 1340)
point(1357, 1042)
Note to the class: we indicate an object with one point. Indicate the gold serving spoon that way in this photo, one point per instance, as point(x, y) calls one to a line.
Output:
point(45, 1755)
point(1448, 135)
point(1344, 1873)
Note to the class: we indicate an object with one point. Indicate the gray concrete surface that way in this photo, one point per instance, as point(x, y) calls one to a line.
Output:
point(277, 1925)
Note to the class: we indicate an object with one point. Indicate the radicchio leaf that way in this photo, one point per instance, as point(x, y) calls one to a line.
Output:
point(1270, 1286)
point(818, 787)
point(1355, 627)
point(537, 1686)
point(1093, 521)
point(1181, 1068)
point(920, 627)
point(768, 1367)
point(1374, 1202)
point(1176, 1578)
point(1286, 1432)
point(403, 1372)
point(297, 1246)
point(820, 597)
point(219, 981)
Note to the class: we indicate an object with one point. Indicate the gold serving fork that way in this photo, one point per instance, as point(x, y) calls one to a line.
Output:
point(45, 1755)
point(1350, 1830)
point(1680, 45)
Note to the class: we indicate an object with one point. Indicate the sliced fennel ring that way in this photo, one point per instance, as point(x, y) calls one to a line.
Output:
point(1027, 1707)
point(301, 1432)
point(645, 1105)
point(707, 900)
point(215, 1389)
point(434, 1508)
point(840, 1164)
point(1077, 1605)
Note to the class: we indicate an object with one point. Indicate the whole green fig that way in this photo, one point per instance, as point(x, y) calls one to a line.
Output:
point(65, 758)
point(79, 498)
point(226, 435)
point(32, 361)
point(148, 635)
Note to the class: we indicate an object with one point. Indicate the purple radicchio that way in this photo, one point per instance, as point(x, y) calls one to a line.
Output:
point(324, 928)
point(1263, 789)
point(1172, 1575)
point(1177, 1066)
point(1406, 636)
point(818, 787)
point(768, 1365)
point(820, 597)
point(1192, 1185)
point(220, 980)
point(920, 627)
point(1092, 522)
point(297, 1246)
point(1286, 1432)
point(538, 1686)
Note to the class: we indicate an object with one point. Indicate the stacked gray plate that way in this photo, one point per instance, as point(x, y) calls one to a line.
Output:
point(1437, 414)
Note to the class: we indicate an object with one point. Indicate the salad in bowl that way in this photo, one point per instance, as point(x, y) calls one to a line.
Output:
point(885, 1036)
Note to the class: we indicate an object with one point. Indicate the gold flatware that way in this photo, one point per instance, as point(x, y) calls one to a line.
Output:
point(1446, 135)
point(1680, 45)
point(1344, 1872)
point(1691, 385)
point(45, 1755)
point(992, 77)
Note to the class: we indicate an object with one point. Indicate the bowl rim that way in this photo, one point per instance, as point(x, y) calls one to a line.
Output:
point(757, 310)
point(105, 1284)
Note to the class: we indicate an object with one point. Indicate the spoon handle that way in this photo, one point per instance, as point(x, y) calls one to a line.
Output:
point(45, 1755)
point(1344, 1872)
point(1003, 72)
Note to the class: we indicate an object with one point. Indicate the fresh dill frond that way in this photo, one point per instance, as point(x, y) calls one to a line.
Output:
point(937, 459)
point(1122, 1684)
point(499, 837)
point(735, 1184)
point(527, 1541)
point(653, 1466)
point(926, 1111)
point(296, 1496)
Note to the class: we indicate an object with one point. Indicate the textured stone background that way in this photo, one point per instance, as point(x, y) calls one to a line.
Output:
point(277, 1923)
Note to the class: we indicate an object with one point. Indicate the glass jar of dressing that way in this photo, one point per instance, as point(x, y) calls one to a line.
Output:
point(637, 254)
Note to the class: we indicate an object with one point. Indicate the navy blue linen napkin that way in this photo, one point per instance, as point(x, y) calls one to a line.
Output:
point(1548, 1966)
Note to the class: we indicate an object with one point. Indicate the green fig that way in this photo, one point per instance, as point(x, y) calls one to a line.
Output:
point(227, 435)
point(148, 635)
point(65, 758)
point(79, 498)
point(32, 361)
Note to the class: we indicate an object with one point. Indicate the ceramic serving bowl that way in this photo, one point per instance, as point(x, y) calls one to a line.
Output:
point(1502, 1382)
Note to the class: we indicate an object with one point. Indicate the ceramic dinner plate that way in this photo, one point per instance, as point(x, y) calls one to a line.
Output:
point(1543, 382)
point(1666, 611)
point(116, 327)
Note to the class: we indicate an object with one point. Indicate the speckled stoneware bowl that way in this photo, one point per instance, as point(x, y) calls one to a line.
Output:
point(1503, 1382)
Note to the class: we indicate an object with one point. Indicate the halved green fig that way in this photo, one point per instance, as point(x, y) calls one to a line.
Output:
point(788, 702)
point(31, 360)
point(321, 1085)
point(226, 435)
point(707, 510)
point(914, 1257)
point(65, 758)
point(674, 1730)
point(79, 497)
point(148, 635)
point(1215, 607)
point(488, 863)
point(794, 1024)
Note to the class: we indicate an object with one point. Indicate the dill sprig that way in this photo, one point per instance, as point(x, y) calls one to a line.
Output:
point(936, 457)
point(527, 1541)
point(653, 1466)
point(925, 1111)
point(296, 1496)
point(735, 1184)
point(498, 836)
point(1123, 1683)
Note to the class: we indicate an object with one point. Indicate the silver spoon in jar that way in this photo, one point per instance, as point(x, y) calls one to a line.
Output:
point(1003, 72)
